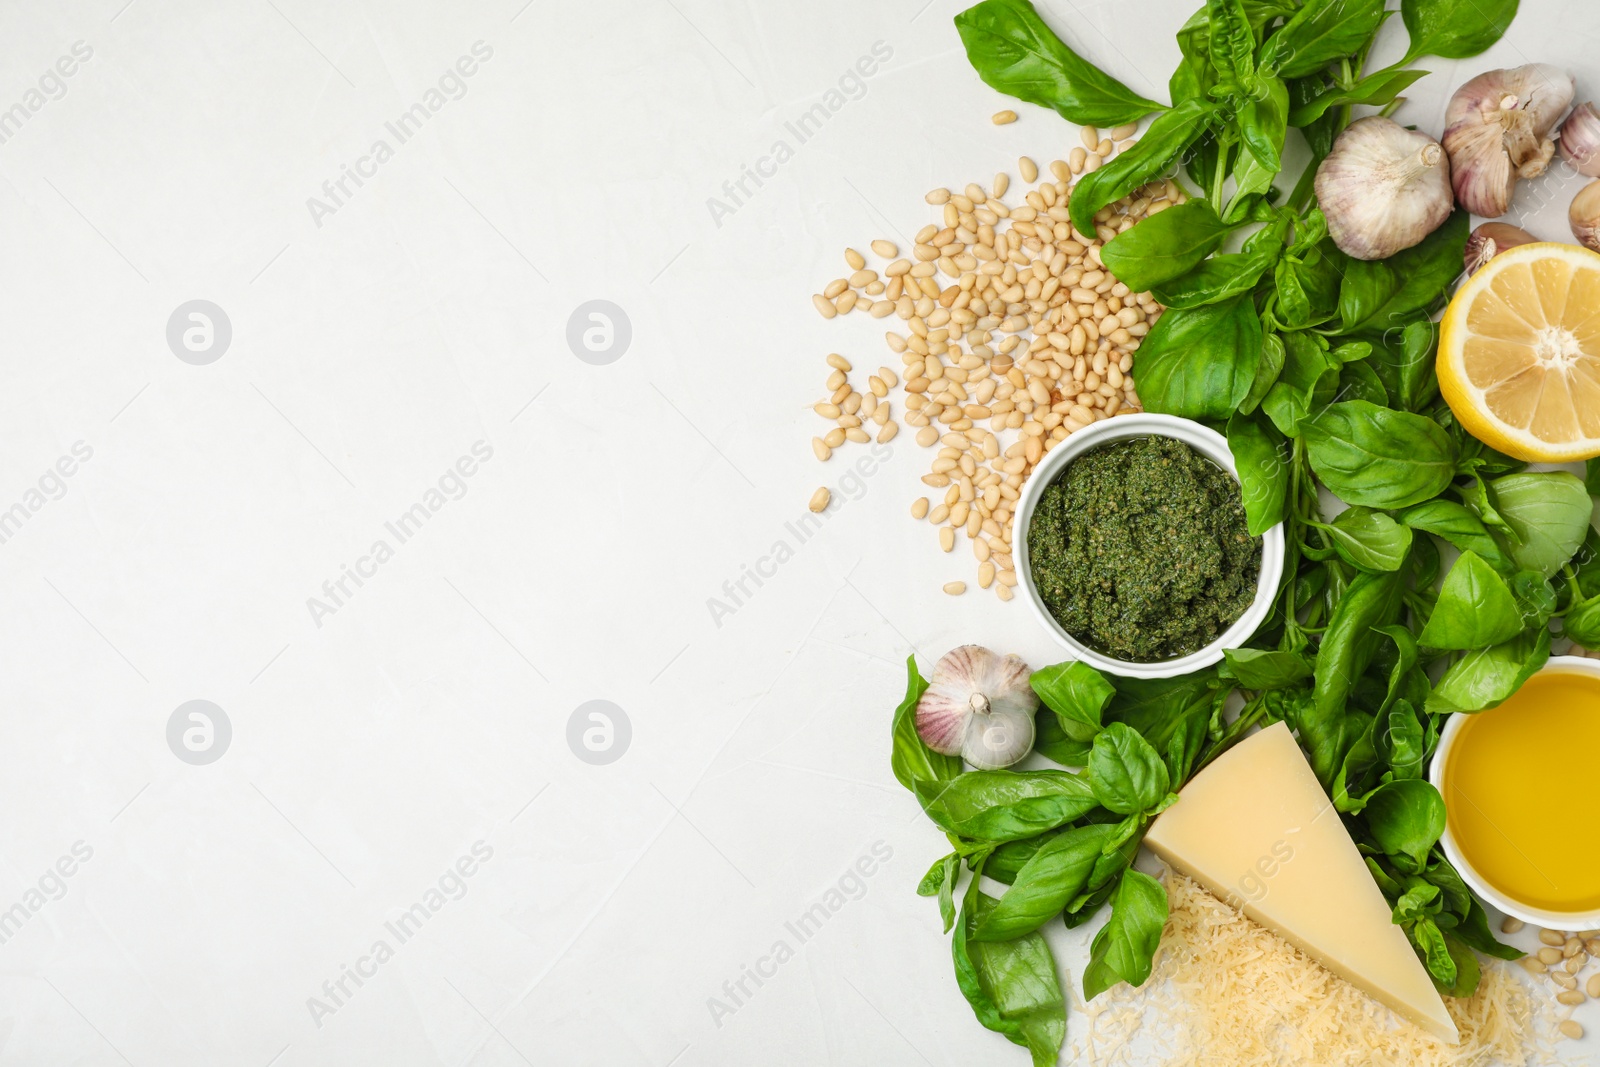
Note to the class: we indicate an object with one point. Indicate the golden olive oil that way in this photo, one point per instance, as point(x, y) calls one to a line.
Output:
point(1520, 806)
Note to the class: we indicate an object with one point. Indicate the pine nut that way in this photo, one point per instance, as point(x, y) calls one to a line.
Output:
point(1123, 132)
point(1563, 979)
point(940, 513)
point(820, 448)
point(1003, 118)
point(919, 508)
point(1592, 986)
point(1002, 182)
point(1029, 169)
point(1003, 591)
point(947, 538)
point(1571, 997)
point(955, 588)
point(1572, 947)
point(886, 249)
point(1592, 946)
point(1103, 148)
point(1549, 956)
point(1533, 965)
point(1090, 136)
point(1550, 937)
point(823, 305)
point(834, 437)
point(855, 259)
point(838, 362)
point(820, 499)
point(1575, 964)
point(888, 432)
point(859, 436)
point(1571, 1029)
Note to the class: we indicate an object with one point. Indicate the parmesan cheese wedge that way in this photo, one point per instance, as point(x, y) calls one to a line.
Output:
point(1256, 829)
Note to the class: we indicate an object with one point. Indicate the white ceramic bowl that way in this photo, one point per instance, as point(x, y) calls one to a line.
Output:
point(1208, 443)
point(1550, 920)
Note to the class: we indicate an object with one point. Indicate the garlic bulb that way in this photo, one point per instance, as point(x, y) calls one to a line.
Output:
point(1492, 238)
point(979, 706)
point(1584, 215)
point(1580, 140)
point(1496, 131)
point(1383, 188)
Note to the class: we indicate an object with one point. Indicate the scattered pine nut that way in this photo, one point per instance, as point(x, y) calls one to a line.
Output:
point(854, 258)
point(1550, 937)
point(1549, 956)
point(1003, 118)
point(820, 448)
point(1571, 997)
point(886, 249)
point(1510, 925)
point(938, 196)
point(838, 362)
point(1003, 591)
point(887, 434)
point(1090, 137)
point(1029, 169)
point(823, 305)
point(1076, 158)
point(820, 499)
point(1002, 182)
point(955, 588)
point(919, 508)
point(1104, 148)
point(1592, 987)
point(1533, 965)
point(947, 538)
point(1571, 1029)
point(1123, 132)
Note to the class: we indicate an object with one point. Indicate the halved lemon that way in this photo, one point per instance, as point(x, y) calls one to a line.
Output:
point(1519, 353)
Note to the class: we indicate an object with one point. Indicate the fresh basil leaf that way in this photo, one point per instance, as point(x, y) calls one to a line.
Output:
point(1125, 947)
point(1320, 32)
point(1156, 707)
point(912, 760)
point(1406, 818)
point(1263, 121)
point(940, 881)
point(1158, 148)
point(1421, 277)
point(1232, 41)
point(1009, 857)
point(1414, 903)
point(1058, 872)
point(1482, 679)
point(1006, 805)
point(1474, 927)
point(1402, 745)
point(1460, 527)
point(1307, 383)
point(1475, 608)
point(929, 886)
point(1052, 742)
point(1200, 363)
point(1536, 598)
point(1267, 371)
point(1548, 512)
point(1259, 455)
point(1454, 29)
point(1348, 644)
point(1257, 669)
point(1374, 90)
point(1164, 246)
point(1430, 944)
point(1405, 659)
point(1012, 986)
point(1405, 365)
point(1367, 287)
point(1582, 622)
point(1368, 540)
point(1591, 476)
point(1358, 381)
point(1294, 306)
point(1468, 971)
point(1377, 456)
point(1077, 693)
point(1013, 51)
point(1218, 278)
point(1127, 774)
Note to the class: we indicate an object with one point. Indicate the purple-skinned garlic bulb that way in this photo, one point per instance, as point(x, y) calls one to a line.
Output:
point(979, 706)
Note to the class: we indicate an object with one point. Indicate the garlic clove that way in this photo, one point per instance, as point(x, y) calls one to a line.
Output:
point(978, 705)
point(1580, 140)
point(1584, 216)
point(1490, 239)
point(1497, 130)
point(1383, 188)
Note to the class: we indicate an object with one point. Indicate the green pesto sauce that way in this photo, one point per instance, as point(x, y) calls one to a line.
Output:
point(1141, 550)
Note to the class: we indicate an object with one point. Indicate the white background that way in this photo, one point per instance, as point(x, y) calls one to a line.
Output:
point(430, 710)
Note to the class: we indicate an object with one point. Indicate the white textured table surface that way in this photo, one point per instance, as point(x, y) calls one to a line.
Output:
point(402, 340)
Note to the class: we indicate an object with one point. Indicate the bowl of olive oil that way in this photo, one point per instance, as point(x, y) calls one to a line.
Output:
point(1519, 827)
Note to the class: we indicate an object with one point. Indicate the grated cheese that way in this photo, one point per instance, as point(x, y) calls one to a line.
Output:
point(1225, 990)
